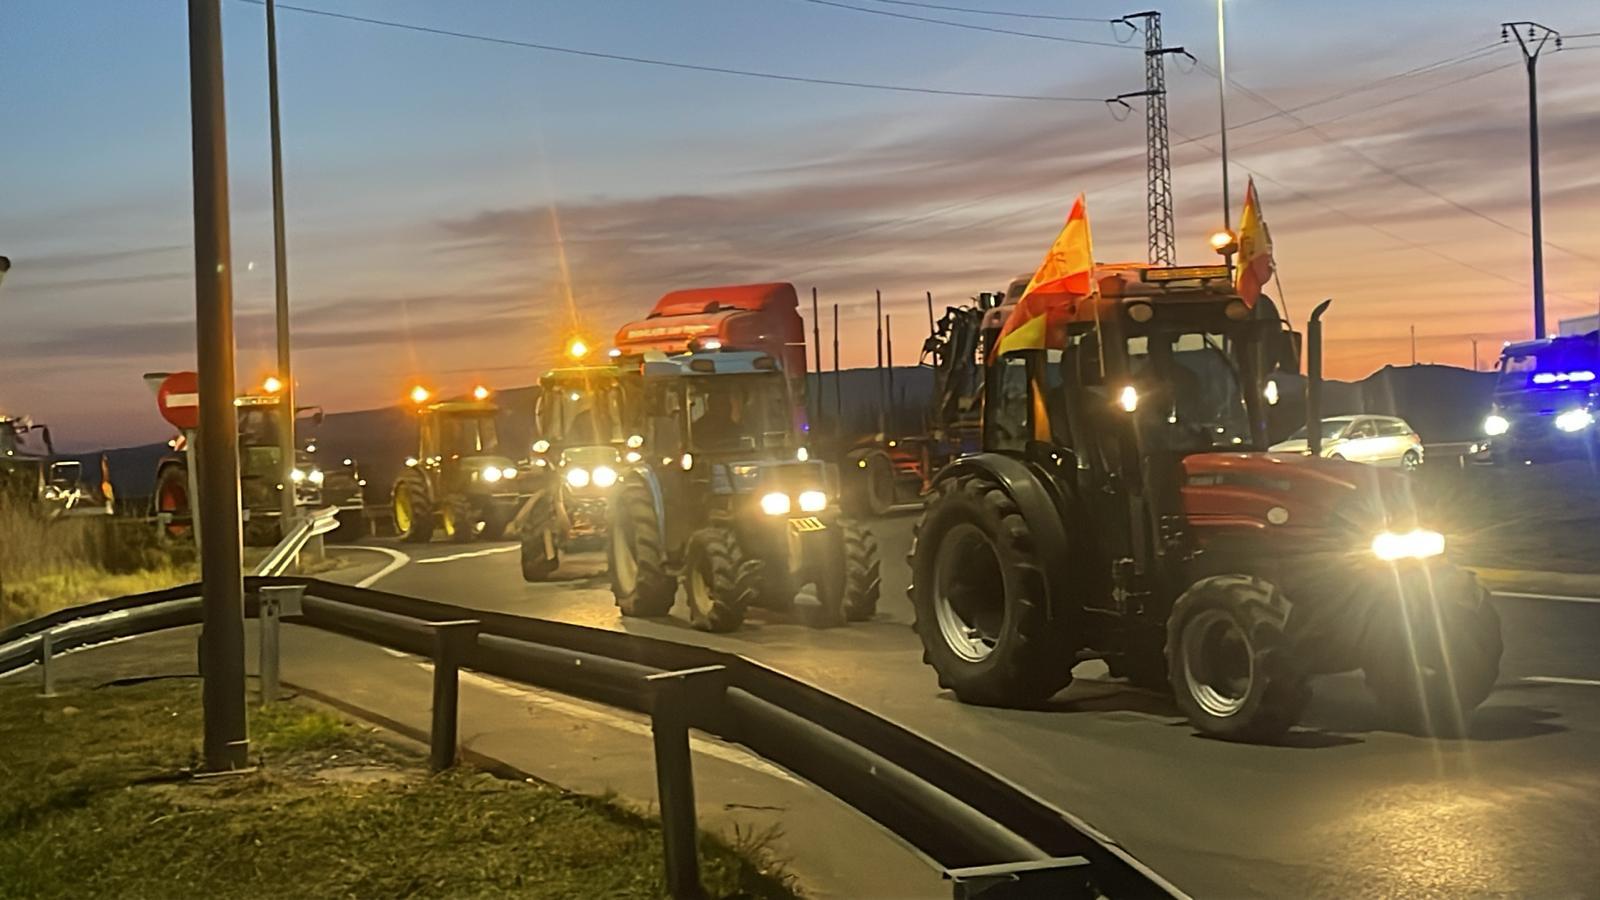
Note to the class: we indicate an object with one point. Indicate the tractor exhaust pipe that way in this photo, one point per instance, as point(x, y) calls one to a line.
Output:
point(1314, 379)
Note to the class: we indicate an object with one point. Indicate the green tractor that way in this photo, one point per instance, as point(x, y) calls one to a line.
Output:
point(460, 481)
point(727, 495)
point(33, 480)
point(588, 419)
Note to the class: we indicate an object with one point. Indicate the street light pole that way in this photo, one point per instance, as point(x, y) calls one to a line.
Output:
point(1531, 38)
point(280, 277)
point(1222, 102)
point(217, 450)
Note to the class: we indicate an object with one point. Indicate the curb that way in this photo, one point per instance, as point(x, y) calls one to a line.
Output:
point(1531, 581)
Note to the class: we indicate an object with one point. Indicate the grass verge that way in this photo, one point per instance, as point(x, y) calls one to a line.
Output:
point(93, 803)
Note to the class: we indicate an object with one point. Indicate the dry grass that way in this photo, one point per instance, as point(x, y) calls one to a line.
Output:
point(93, 804)
point(49, 565)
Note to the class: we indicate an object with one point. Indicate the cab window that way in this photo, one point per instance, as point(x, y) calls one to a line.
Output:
point(1008, 421)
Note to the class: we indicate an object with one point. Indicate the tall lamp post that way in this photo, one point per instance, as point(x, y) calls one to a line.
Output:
point(1222, 103)
point(280, 278)
point(217, 450)
point(1531, 39)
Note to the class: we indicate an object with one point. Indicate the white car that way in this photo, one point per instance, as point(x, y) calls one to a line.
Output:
point(1377, 440)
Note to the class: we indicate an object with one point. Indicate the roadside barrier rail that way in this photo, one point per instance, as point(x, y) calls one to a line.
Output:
point(991, 838)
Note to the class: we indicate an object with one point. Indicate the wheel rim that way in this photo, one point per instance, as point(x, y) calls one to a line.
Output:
point(1218, 666)
point(1410, 462)
point(699, 590)
point(402, 511)
point(450, 523)
point(624, 565)
point(966, 602)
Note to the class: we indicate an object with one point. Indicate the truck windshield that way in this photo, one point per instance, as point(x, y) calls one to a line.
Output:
point(1189, 390)
point(738, 412)
point(583, 411)
point(1559, 362)
point(468, 435)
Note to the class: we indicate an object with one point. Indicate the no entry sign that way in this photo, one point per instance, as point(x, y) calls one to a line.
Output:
point(179, 399)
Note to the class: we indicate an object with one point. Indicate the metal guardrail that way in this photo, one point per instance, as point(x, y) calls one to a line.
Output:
point(991, 837)
point(314, 524)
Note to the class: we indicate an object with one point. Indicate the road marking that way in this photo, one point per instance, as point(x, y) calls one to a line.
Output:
point(469, 554)
point(556, 704)
point(1563, 598)
point(398, 654)
point(1557, 679)
point(396, 560)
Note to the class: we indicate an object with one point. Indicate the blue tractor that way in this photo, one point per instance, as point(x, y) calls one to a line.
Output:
point(727, 497)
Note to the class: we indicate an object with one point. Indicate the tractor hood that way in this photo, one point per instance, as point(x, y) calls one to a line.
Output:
point(1290, 491)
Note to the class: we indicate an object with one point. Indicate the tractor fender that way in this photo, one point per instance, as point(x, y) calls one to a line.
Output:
point(1026, 485)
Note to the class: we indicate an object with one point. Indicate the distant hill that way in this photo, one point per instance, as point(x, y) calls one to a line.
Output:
point(1444, 404)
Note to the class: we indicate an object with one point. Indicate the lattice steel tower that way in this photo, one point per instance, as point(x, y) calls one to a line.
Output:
point(1158, 160)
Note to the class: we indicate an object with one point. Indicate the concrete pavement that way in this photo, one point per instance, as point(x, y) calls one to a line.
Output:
point(1344, 808)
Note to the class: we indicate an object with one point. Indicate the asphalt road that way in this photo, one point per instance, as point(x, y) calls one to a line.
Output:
point(1341, 809)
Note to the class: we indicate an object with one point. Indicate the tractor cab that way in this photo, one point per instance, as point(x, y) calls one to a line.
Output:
point(462, 478)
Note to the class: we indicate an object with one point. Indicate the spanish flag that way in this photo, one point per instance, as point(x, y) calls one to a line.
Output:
point(1065, 277)
point(1255, 248)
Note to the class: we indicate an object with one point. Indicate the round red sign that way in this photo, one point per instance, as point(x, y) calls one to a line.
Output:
point(179, 399)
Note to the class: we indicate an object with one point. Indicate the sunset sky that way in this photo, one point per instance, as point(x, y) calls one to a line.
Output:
point(446, 196)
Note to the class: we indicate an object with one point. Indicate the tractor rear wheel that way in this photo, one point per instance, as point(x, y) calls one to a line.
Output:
point(862, 581)
point(494, 526)
point(879, 484)
point(459, 519)
point(541, 551)
point(757, 588)
point(710, 579)
point(1430, 682)
point(979, 597)
point(1226, 659)
point(635, 556)
point(172, 499)
point(413, 508)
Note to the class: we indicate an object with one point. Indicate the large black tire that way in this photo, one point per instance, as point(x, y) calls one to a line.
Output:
point(973, 545)
point(537, 564)
point(458, 519)
point(1228, 662)
point(1430, 681)
point(353, 526)
point(862, 579)
point(494, 526)
point(412, 508)
point(759, 588)
point(878, 484)
point(172, 498)
point(635, 557)
point(710, 580)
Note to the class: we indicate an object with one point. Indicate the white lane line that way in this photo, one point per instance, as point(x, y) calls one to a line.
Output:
point(397, 654)
point(1557, 679)
point(469, 555)
point(396, 560)
point(1563, 598)
point(556, 704)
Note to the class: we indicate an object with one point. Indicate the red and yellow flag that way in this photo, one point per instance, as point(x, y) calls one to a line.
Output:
point(1065, 277)
point(1255, 248)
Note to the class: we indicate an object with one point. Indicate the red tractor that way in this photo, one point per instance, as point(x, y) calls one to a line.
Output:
point(1124, 507)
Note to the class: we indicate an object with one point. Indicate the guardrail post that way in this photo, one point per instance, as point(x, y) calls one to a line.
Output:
point(47, 674)
point(451, 643)
point(673, 696)
point(277, 600)
point(1065, 876)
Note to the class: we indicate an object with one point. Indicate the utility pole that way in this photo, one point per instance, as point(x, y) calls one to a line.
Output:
point(1474, 354)
point(838, 387)
point(878, 317)
point(1222, 99)
point(1413, 345)
point(280, 279)
point(816, 341)
point(1532, 38)
point(217, 450)
point(1158, 159)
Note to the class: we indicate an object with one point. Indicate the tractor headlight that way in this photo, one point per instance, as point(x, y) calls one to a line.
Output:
point(1496, 425)
point(490, 474)
point(541, 446)
point(802, 454)
point(775, 503)
point(578, 477)
point(632, 456)
point(635, 441)
point(813, 501)
point(1574, 420)
point(297, 475)
point(508, 472)
point(1418, 543)
point(604, 476)
point(315, 476)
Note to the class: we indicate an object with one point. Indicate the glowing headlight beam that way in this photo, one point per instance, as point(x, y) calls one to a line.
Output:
point(813, 501)
point(491, 474)
point(1496, 425)
point(1420, 543)
point(578, 477)
point(1574, 420)
point(775, 503)
point(604, 477)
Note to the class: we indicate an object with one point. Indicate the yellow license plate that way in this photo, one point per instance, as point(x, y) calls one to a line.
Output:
point(807, 524)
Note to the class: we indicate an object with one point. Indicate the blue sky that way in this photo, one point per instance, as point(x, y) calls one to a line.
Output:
point(429, 177)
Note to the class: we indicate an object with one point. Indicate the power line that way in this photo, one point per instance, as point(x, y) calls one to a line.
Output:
point(970, 27)
point(999, 12)
point(671, 64)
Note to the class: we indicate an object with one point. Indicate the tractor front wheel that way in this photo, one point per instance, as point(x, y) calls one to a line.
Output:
point(639, 578)
point(541, 552)
point(862, 579)
point(710, 580)
point(459, 519)
point(979, 597)
point(413, 508)
point(1444, 662)
point(1227, 662)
